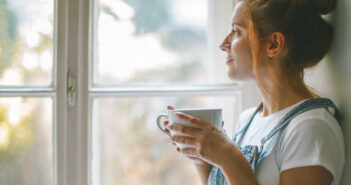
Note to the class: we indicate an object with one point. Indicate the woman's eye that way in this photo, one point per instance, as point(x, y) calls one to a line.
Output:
point(235, 31)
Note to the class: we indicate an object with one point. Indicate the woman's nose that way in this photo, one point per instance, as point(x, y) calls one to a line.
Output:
point(225, 45)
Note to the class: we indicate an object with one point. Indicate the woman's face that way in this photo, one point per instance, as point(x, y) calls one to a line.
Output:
point(236, 45)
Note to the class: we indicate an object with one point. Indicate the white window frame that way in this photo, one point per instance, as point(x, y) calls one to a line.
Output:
point(79, 40)
point(72, 92)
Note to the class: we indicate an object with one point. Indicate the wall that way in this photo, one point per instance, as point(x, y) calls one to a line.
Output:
point(331, 78)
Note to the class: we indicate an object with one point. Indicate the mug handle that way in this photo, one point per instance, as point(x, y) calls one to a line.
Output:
point(158, 121)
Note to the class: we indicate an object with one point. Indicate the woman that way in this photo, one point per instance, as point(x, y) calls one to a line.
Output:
point(292, 137)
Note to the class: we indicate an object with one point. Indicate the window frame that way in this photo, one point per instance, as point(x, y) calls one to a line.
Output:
point(221, 9)
point(72, 91)
point(80, 65)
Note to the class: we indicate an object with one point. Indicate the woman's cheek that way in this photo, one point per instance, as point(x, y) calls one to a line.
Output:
point(237, 49)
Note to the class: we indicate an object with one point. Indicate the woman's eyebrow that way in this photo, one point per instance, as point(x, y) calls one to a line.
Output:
point(236, 24)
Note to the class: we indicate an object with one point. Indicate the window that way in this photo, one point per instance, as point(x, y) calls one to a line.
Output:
point(147, 55)
point(27, 90)
point(81, 84)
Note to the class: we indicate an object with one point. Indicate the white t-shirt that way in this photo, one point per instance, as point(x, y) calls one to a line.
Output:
point(312, 138)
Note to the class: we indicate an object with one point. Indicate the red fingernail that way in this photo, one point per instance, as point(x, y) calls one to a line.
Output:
point(166, 122)
point(222, 123)
point(178, 149)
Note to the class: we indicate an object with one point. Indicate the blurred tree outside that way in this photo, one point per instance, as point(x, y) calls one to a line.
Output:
point(8, 35)
point(157, 11)
point(14, 136)
point(158, 19)
point(25, 57)
point(26, 42)
point(132, 151)
point(25, 149)
point(14, 141)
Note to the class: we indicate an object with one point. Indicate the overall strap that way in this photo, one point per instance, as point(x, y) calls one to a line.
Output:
point(242, 131)
point(305, 106)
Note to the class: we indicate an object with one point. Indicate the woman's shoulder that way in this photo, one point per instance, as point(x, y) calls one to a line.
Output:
point(313, 137)
point(315, 117)
point(314, 124)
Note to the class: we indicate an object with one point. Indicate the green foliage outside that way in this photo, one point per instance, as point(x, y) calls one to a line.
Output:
point(8, 35)
point(19, 137)
point(155, 10)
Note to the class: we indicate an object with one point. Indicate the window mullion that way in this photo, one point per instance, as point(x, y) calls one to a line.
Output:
point(26, 91)
point(60, 117)
point(205, 90)
point(71, 118)
point(83, 103)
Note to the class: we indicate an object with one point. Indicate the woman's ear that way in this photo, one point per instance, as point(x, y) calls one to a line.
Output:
point(275, 44)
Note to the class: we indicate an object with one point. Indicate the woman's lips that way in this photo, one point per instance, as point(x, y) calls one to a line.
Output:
point(229, 60)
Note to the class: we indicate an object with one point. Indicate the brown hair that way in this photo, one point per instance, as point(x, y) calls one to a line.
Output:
point(308, 37)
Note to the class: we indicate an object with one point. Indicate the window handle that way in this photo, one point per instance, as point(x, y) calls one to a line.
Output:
point(71, 89)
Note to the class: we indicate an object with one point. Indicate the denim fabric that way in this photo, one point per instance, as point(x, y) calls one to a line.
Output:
point(255, 154)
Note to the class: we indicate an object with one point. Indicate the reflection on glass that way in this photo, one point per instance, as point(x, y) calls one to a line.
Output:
point(26, 141)
point(26, 42)
point(151, 42)
point(129, 149)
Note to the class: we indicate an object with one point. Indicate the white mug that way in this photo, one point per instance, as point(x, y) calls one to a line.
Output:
point(212, 116)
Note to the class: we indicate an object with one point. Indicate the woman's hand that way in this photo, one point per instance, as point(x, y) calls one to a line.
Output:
point(196, 160)
point(205, 142)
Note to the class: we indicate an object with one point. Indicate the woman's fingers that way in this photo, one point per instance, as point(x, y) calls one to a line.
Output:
point(191, 157)
point(184, 130)
point(184, 140)
point(165, 123)
point(190, 152)
point(193, 120)
point(170, 107)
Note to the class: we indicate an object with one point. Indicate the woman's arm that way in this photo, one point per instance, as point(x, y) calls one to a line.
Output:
point(237, 169)
point(203, 170)
point(309, 175)
point(241, 173)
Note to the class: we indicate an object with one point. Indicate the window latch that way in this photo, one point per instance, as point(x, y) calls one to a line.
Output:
point(71, 89)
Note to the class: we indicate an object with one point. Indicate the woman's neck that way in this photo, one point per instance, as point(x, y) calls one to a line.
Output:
point(279, 98)
point(278, 101)
point(278, 91)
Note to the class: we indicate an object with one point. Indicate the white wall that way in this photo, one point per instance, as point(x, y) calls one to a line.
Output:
point(331, 78)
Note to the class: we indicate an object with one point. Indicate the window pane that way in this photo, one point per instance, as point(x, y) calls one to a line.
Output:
point(129, 149)
point(26, 141)
point(26, 42)
point(152, 42)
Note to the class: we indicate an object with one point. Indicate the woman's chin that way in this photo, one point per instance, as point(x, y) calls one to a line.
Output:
point(237, 77)
point(232, 76)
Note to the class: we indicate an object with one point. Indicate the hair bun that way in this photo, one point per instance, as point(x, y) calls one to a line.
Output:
point(324, 6)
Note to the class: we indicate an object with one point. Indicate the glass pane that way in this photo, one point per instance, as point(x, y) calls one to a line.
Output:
point(26, 146)
point(26, 42)
point(129, 149)
point(152, 42)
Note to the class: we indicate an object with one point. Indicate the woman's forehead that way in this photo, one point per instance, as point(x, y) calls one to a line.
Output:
point(240, 15)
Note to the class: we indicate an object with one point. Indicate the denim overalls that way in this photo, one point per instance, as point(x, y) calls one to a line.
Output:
point(255, 154)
